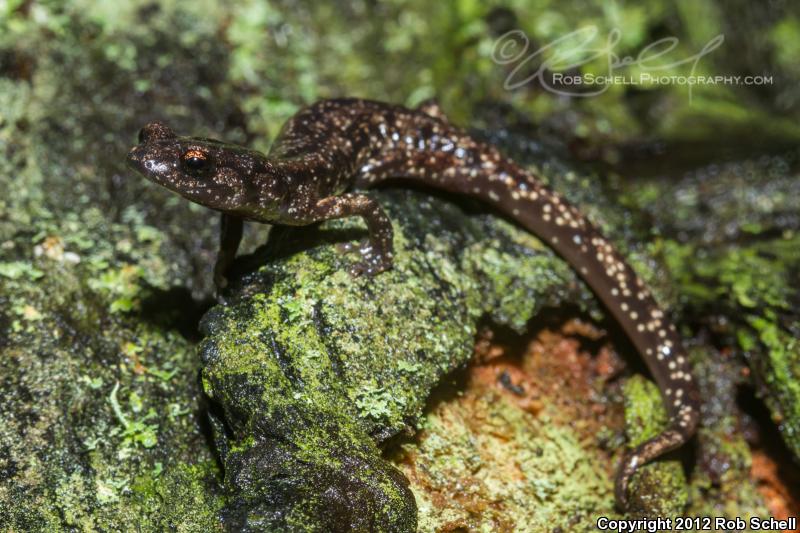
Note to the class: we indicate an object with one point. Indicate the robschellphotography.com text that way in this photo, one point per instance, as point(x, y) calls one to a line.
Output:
point(697, 523)
point(553, 65)
point(647, 78)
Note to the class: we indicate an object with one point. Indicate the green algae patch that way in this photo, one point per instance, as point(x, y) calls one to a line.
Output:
point(659, 489)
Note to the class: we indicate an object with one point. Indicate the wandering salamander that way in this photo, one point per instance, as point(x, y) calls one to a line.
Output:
point(335, 146)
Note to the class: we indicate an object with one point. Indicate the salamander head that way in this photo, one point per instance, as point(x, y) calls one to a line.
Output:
point(221, 176)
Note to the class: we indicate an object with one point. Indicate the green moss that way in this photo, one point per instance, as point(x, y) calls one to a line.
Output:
point(19, 269)
point(780, 367)
point(783, 37)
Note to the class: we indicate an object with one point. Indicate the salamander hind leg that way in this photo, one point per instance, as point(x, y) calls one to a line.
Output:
point(641, 455)
point(432, 108)
point(377, 252)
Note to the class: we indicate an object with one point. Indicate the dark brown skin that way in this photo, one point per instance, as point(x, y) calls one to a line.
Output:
point(337, 145)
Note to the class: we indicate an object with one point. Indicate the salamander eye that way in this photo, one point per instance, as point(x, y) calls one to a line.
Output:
point(196, 162)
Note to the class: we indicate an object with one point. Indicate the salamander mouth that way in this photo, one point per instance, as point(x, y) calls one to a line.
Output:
point(135, 159)
point(154, 162)
point(134, 156)
point(139, 161)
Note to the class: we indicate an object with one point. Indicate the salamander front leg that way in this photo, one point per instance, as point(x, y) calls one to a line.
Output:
point(376, 255)
point(230, 236)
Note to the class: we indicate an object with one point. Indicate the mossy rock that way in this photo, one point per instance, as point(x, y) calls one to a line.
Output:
point(312, 368)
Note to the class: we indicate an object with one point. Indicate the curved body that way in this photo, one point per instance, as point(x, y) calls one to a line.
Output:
point(335, 146)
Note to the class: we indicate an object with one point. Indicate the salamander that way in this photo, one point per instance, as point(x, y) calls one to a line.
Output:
point(330, 150)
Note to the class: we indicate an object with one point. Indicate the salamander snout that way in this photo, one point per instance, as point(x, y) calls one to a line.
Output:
point(155, 131)
point(153, 157)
